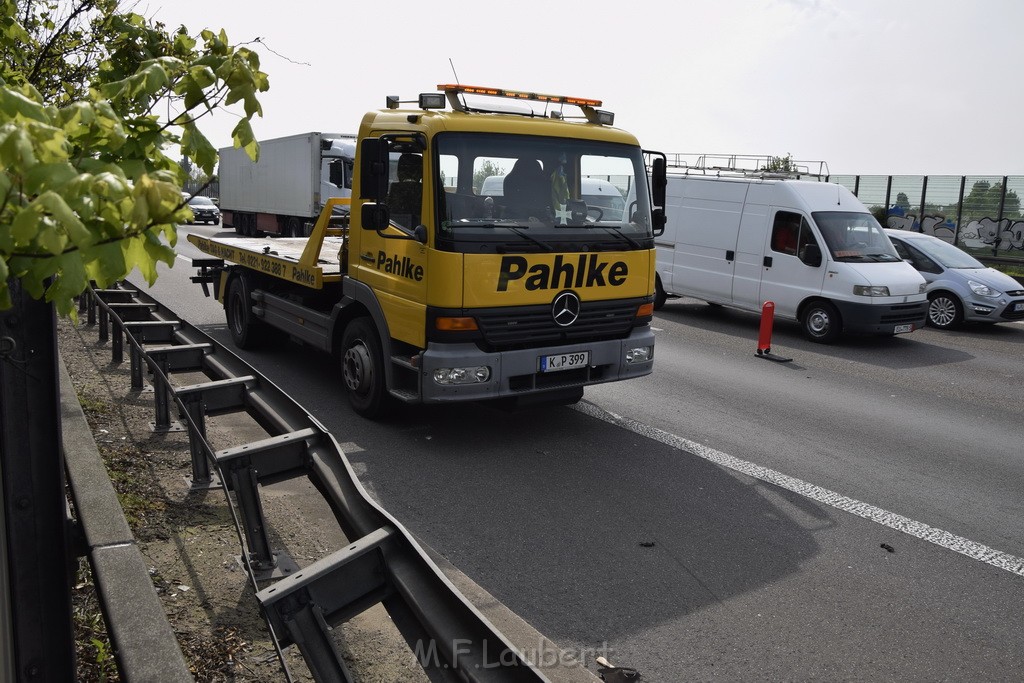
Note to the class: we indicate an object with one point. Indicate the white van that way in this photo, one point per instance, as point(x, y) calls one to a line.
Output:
point(597, 193)
point(809, 247)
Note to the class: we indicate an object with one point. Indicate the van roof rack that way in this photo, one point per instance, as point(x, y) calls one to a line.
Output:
point(747, 166)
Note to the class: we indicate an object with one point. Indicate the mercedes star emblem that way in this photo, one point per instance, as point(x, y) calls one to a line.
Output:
point(565, 309)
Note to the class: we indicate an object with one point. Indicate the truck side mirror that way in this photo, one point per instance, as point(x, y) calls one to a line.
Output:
point(659, 183)
point(374, 216)
point(374, 167)
point(811, 255)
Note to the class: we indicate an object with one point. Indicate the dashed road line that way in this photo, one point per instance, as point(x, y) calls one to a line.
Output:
point(945, 539)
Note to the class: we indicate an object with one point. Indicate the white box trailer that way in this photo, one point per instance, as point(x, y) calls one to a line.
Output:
point(285, 190)
point(811, 248)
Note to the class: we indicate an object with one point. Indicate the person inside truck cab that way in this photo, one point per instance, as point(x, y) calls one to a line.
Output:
point(405, 196)
point(527, 191)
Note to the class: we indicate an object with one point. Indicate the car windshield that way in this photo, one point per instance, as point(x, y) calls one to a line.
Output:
point(945, 254)
point(524, 192)
point(854, 237)
point(201, 201)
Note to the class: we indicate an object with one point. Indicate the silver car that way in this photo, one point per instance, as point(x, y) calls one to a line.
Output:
point(960, 287)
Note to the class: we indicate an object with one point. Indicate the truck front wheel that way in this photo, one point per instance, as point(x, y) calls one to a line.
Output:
point(362, 365)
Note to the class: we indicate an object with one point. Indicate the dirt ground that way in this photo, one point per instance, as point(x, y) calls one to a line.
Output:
point(190, 542)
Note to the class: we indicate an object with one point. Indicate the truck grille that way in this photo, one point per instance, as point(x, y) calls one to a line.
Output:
point(529, 326)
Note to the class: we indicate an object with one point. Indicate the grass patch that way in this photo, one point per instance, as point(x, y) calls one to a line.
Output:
point(94, 655)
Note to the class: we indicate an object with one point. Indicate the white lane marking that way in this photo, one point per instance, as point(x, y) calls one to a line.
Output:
point(959, 544)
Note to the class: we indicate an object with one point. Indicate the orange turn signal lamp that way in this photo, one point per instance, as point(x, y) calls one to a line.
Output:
point(455, 324)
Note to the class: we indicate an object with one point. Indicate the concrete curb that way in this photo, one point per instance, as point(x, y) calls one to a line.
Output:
point(144, 642)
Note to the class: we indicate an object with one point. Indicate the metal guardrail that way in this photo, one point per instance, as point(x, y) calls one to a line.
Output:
point(382, 565)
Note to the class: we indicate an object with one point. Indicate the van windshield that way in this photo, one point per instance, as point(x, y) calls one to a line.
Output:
point(854, 236)
point(565, 194)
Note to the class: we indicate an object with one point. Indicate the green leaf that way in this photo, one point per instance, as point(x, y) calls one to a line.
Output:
point(195, 146)
point(243, 137)
point(105, 263)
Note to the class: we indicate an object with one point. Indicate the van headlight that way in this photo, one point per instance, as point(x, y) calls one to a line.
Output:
point(871, 290)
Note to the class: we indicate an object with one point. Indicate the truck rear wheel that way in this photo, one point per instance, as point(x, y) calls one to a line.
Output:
point(821, 322)
point(362, 366)
point(247, 331)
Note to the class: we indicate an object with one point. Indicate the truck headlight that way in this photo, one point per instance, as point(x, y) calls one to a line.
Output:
point(982, 290)
point(474, 375)
point(639, 354)
point(871, 290)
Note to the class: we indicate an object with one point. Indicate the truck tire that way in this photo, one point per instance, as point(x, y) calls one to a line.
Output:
point(246, 330)
point(362, 366)
point(821, 322)
point(293, 228)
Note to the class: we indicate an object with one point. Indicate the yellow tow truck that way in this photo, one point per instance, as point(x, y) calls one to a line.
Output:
point(498, 244)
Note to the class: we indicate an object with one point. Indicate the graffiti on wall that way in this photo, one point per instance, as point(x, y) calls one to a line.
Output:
point(1003, 236)
point(986, 233)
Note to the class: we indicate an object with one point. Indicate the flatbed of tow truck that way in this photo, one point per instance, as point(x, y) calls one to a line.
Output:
point(309, 261)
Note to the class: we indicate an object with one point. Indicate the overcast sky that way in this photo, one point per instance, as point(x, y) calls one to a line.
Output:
point(868, 86)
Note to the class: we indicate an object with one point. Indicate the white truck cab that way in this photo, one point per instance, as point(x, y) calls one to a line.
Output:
point(810, 247)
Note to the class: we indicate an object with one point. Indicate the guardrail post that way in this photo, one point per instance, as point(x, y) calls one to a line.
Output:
point(201, 476)
point(221, 396)
point(242, 467)
point(104, 322)
point(117, 343)
point(302, 608)
point(160, 399)
point(135, 356)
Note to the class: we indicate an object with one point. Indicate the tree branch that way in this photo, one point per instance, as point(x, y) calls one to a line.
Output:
point(45, 52)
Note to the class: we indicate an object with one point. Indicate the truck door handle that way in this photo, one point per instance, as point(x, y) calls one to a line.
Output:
point(730, 255)
point(368, 257)
point(767, 261)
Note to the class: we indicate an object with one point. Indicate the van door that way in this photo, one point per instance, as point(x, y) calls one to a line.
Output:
point(708, 222)
point(786, 279)
point(746, 282)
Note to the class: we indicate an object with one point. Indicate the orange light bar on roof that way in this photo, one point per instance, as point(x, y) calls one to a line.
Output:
point(519, 94)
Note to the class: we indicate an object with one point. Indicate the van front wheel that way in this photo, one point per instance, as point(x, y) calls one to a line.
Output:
point(821, 322)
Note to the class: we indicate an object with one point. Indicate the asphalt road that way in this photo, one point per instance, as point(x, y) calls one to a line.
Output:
point(853, 514)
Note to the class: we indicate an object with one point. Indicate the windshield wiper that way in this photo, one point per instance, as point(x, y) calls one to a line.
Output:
point(499, 224)
point(618, 233)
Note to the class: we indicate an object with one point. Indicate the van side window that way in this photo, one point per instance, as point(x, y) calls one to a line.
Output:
point(786, 232)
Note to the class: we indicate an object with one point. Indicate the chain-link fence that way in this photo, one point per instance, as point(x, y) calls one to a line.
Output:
point(980, 214)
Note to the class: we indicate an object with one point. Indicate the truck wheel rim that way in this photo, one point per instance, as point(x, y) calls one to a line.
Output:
point(357, 368)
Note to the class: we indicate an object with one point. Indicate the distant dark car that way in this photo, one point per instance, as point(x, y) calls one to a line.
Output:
point(203, 210)
point(960, 288)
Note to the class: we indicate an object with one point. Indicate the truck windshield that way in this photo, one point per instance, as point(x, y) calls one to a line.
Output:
point(529, 193)
point(854, 236)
